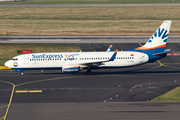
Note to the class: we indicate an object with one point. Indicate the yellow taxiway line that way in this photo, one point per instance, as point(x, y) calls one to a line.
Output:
point(21, 91)
point(28, 91)
point(35, 91)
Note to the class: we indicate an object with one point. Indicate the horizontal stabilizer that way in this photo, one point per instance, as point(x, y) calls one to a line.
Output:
point(165, 52)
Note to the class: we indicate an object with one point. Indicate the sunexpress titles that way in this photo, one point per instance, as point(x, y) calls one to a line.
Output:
point(49, 56)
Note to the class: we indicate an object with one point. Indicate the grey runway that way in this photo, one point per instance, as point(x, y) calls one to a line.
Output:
point(80, 39)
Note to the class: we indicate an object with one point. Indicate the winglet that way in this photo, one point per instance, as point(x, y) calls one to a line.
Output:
point(113, 56)
point(109, 49)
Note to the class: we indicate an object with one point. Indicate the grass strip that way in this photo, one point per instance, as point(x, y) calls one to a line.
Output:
point(171, 96)
point(93, 2)
point(82, 21)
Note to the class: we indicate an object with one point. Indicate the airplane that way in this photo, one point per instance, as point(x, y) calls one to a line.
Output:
point(73, 62)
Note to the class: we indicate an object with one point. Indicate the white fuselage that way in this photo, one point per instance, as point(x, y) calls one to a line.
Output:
point(81, 59)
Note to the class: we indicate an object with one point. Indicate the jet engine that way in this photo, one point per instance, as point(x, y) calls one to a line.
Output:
point(70, 69)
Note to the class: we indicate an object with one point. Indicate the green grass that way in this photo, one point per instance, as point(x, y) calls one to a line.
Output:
point(92, 2)
point(171, 96)
point(90, 13)
point(87, 20)
point(8, 51)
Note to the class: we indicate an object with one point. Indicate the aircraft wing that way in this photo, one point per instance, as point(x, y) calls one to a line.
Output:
point(97, 63)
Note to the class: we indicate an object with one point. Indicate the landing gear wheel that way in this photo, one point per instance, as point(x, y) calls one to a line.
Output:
point(88, 72)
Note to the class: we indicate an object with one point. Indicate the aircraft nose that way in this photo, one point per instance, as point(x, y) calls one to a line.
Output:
point(7, 63)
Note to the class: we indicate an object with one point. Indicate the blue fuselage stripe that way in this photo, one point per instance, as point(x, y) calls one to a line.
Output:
point(150, 53)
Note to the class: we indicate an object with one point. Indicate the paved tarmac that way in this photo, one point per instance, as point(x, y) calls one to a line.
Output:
point(106, 94)
point(95, 111)
point(102, 85)
point(81, 39)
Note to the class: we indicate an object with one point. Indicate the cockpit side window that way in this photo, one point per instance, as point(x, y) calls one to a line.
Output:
point(15, 59)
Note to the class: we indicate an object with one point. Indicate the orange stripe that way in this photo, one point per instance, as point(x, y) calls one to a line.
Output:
point(111, 46)
point(144, 48)
point(72, 67)
point(116, 51)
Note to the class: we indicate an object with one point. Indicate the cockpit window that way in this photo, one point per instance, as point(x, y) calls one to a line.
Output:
point(15, 59)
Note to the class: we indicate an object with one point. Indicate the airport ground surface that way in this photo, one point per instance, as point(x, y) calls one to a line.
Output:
point(81, 39)
point(106, 94)
point(114, 93)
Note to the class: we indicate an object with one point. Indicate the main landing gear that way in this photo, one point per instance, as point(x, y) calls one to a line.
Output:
point(88, 72)
point(22, 73)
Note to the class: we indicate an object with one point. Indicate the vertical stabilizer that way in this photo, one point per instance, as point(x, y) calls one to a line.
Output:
point(159, 38)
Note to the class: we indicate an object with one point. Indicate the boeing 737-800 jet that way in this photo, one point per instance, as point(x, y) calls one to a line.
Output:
point(73, 62)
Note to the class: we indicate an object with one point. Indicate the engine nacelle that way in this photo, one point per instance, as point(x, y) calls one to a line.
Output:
point(70, 69)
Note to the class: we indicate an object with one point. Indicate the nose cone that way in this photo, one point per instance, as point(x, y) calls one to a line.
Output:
point(7, 64)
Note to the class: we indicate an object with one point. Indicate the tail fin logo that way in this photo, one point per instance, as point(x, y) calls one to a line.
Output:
point(158, 39)
point(161, 34)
